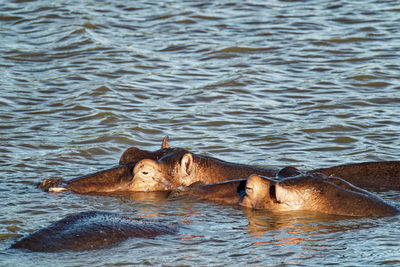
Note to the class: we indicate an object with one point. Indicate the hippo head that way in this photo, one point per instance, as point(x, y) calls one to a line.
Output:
point(260, 193)
point(118, 178)
point(312, 191)
point(172, 169)
point(291, 190)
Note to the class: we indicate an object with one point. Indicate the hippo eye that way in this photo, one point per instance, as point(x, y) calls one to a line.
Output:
point(145, 173)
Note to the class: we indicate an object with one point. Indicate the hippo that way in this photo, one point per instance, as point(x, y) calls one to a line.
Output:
point(91, 230)
point(292, 190)
point(161, 170)
point(115, 179)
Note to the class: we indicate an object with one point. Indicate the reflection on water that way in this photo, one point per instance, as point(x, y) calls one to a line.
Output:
point(301, 224)
point(314, 235)
point(272, 83)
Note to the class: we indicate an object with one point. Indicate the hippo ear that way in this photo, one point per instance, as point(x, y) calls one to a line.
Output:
point(165, 143)
point(129, 155)
point(187, 164)
point(288, 172)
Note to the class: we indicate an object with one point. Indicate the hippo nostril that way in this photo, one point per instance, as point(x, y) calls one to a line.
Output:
point(272, 193)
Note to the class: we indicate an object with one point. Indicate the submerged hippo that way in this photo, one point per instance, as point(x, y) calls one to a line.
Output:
point(114, 179)
point(162, 170)
point(292, 190)
point(90, 230)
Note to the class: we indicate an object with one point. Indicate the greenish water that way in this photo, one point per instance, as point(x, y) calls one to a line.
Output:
point(271, 83)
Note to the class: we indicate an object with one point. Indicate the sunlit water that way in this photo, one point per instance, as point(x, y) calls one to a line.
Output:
point(271, 83)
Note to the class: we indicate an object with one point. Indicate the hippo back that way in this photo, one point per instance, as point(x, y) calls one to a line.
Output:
point(385, 174)
point(89, 230)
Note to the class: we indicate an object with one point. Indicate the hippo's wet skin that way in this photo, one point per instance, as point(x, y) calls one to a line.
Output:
point(90, 230)
point(292, 190)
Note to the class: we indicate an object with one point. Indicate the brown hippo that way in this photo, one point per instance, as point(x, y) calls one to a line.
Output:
point(162, 170)
point(90, 230)
point(111, 180)
point(384, 174)
point(292, 190)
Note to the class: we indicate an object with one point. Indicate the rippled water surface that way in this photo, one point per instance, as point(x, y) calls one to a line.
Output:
point(271, 83)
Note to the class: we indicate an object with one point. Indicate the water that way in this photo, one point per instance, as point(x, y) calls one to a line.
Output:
point(271, 83)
